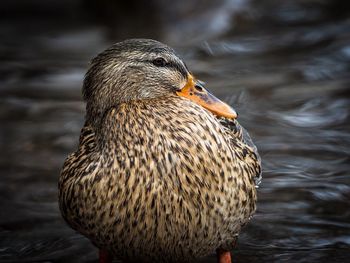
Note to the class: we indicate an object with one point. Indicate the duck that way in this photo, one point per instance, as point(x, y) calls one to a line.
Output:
point(163, 171)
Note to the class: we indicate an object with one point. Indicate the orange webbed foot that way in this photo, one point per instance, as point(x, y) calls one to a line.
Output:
point(223, 256)
point(104, 256)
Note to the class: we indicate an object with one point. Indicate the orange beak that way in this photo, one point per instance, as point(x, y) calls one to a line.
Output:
point(198, 94)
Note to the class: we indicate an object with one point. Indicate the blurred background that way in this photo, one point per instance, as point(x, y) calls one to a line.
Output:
point(283, 65)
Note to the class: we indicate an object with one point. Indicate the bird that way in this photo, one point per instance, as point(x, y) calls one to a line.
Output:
point(163, 171)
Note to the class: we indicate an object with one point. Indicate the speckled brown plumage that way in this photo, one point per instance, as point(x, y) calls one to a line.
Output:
point(160, 180)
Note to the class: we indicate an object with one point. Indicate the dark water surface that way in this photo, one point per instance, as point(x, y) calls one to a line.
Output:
point(284, 66)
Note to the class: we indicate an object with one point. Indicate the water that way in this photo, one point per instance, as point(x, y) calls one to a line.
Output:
point(284, 66)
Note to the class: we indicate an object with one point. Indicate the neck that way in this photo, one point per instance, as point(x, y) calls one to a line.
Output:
point(132, 117)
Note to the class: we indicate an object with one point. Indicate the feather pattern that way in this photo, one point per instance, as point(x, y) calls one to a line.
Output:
point(160, 182)
point(156, 177)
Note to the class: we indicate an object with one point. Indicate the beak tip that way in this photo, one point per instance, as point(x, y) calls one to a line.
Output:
point(234, 115)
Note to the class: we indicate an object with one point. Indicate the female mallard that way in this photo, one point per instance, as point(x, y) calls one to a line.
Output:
point(163, 172)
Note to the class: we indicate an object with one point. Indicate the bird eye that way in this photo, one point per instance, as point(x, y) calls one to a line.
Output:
point(159, 62)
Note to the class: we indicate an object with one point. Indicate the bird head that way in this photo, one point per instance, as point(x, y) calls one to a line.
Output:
point(141, 69)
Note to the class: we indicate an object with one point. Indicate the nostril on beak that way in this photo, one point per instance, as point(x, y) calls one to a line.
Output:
point(198, 87)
